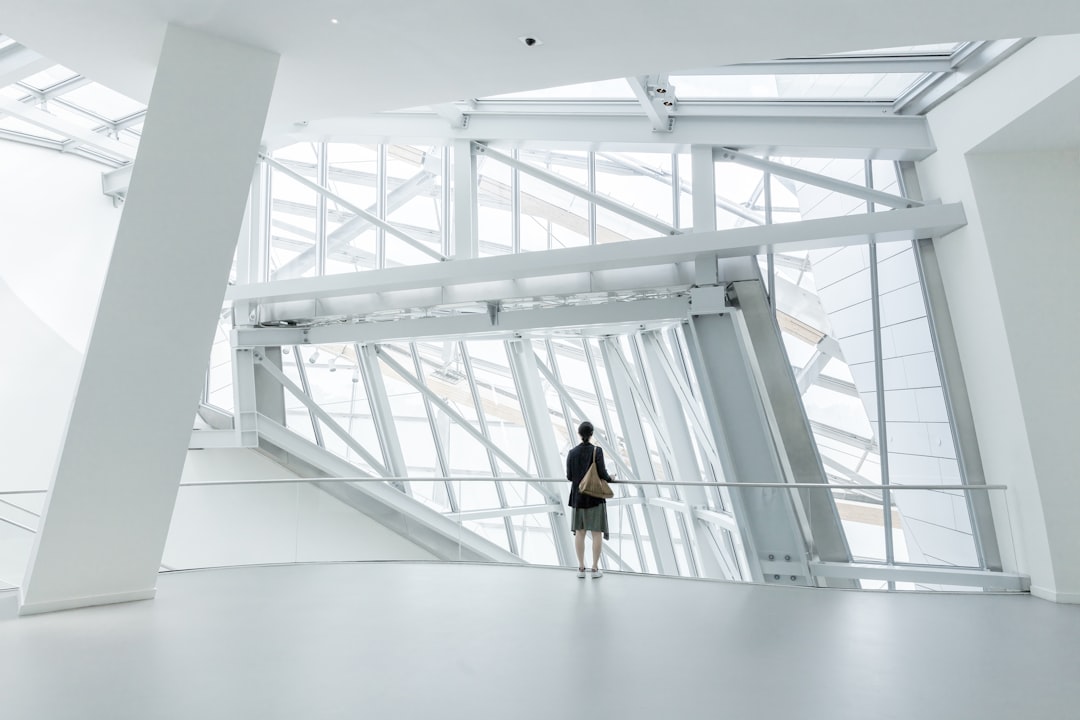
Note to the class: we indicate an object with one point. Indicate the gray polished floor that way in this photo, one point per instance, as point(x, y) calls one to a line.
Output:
point(469, 641)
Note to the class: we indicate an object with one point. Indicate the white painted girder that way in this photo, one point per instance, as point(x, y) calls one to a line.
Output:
point(902, 224)
point(780, 130)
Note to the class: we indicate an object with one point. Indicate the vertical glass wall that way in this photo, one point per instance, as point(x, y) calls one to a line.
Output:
point(853, 322)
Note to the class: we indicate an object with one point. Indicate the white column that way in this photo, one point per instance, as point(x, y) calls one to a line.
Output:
point(1008, 279)
point(466, 239)
point(112, 496)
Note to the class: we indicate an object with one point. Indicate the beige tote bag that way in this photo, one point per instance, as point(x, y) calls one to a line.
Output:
point(592, 484)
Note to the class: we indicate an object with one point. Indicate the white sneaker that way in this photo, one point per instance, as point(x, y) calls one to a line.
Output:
point(581, 572)
point(597, 573)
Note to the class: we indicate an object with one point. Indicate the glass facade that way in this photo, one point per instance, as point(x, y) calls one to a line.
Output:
point(490, 415)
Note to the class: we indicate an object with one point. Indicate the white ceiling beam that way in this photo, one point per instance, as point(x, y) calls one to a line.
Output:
point(68, 129)
point(837, 65)
point(807, 130)
point(817, 179)
point(659, 114)
point(574, 189)
point(609, 316)
point(906, 224)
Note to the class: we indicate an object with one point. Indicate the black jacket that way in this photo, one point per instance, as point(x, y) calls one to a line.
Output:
point(578, 461)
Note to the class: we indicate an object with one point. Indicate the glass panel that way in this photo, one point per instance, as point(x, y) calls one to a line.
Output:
point(292, 215)
point(495, 222)
point(414, 202)
point(49, 77)
point(103, 101)
point(353, 176)
point(865, 86)
point(221, 390)
point(605, 89)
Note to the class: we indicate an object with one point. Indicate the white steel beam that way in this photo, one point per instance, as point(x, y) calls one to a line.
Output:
point(503, 325)
point(860, 130)
point(721, 357)
point(323, 416)
point(356, 209)
point(381, 411)
point(633, 435)
point(503, 512)
point(574, 189)
point(658, 113)
point(823, 181)
point(835, 65)
point(343, 235)
point(116, 478)
point(538, 424)
point(60, 126)
point(907, 224)
point(976, 60)
point(465, 237)
point(683, 459)
point(481, 419)
point(552, 499)
point(408, 517)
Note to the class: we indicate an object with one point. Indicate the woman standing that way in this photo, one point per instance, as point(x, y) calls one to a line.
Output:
point(590, 513)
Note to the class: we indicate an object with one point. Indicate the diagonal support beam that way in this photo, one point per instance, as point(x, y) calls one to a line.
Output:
point(658, 113)
point(84, 136)
point(908, 224)
point(467, 426)
point(356, 209)
point(322, 415)
point(823, 181)
point(574, 189)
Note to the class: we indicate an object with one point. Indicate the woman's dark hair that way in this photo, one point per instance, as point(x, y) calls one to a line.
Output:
point(585, 430)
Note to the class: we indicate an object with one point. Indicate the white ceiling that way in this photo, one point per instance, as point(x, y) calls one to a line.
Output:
point(391, 54)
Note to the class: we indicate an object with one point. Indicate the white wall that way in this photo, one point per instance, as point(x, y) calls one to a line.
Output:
point(56, 234)
point(1029, 204)
point(1007, 277)
point(243, 524)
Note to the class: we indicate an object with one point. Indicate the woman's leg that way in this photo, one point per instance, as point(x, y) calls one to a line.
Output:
point(597, 544)
point(579, 545)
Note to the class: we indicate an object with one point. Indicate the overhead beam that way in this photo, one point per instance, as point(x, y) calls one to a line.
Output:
point(574, 189)
point(659, 114)
point(907, 224)
point(503, 325)
point(802, 130)
point(42, 119)
point(355, 209)
point(811, 178)
point(835, 65)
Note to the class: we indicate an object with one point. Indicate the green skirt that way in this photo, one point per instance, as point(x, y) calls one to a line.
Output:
point(593, 519)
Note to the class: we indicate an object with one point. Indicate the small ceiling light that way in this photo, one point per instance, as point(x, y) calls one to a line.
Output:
point(333, 360)
point(661, 90)
point(669, 103)
point(356, 374)
point(333, 21)
point(530, 41)
point(314, 357)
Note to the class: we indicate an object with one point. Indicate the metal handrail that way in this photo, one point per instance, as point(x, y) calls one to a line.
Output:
point(502, 479)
